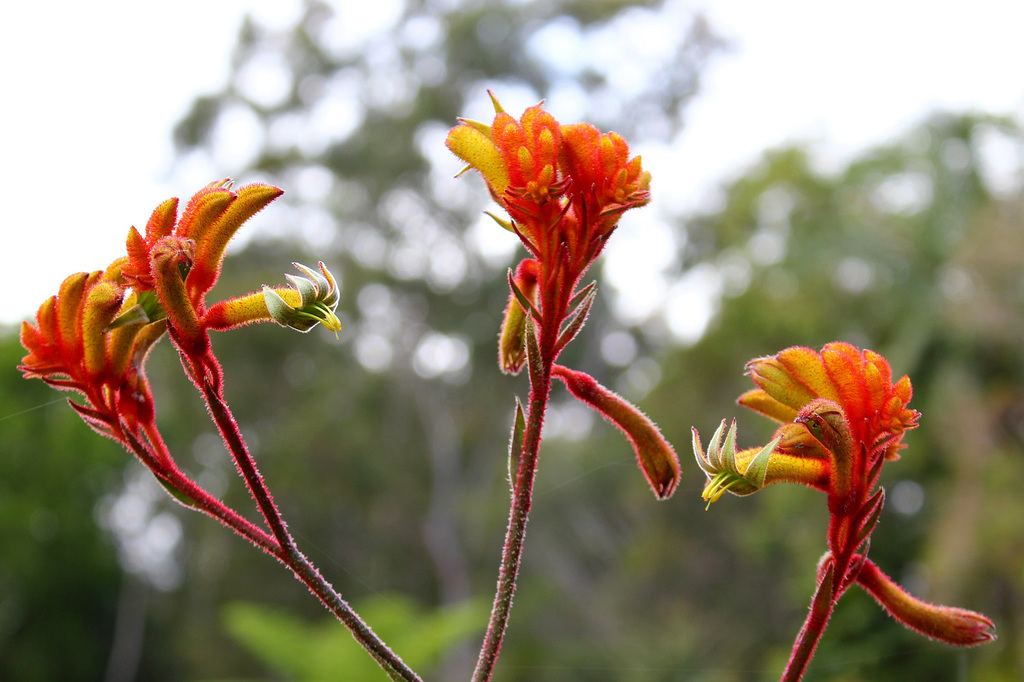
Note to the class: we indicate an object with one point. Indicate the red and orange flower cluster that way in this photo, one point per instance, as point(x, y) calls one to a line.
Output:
point(94, 335)
point(842, 418)
point(564, 188)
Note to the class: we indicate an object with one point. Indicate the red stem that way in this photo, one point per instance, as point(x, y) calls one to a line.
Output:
point(822, 605)
point(842, 566)
point(522, 501)
point(205, 373)
point(290, 555)
point(518, 517)
point(164, 468)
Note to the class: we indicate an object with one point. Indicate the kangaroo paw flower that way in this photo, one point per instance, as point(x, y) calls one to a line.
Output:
point(741, 473)
point(948, 624)
point(72, 346)
point(654, 454)
point(317, 299)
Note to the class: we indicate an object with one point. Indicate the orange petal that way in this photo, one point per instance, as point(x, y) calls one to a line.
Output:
point(247, 202)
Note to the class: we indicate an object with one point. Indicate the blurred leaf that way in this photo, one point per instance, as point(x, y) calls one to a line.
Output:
point(326, 651)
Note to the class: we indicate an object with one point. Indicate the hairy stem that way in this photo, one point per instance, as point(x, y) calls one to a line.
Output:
point(290, 555)
point(522, 501)
point(806, 642)
point(162, 466)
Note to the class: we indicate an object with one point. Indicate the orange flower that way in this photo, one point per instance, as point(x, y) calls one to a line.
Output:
point(564, 188)
point(859, 381)
point(72, 347)
point(562, 185)
point(176, 264)
point(841, 416)
point(201, 234)
point(93, 336)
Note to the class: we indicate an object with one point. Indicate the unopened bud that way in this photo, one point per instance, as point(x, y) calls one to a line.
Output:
point(948, 624)
point(512, 341)
point(654, 454)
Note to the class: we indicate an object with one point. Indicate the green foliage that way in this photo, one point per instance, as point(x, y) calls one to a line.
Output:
point(323, 651)
point(58, 573)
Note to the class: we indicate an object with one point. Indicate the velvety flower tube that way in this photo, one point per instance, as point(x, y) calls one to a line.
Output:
point(654, 454)
point(948, 624)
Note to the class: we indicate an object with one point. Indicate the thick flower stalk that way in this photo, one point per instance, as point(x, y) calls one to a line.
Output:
point(564, 189)
point(93, 338)
point(842, 417)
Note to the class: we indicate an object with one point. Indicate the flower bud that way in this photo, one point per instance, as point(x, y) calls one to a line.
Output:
point(948, 624)
point(654, 454)
point(318, 297)
point(512, 340)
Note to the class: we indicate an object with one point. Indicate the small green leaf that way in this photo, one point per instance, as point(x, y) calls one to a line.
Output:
point(577, 319)
point(515, 444)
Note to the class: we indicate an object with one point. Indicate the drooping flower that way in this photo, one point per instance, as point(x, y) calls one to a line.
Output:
point(655, 455)
point(949, 624)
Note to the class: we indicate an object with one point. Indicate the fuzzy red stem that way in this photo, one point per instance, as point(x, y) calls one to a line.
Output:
point(822, 605)
point(291, 557)
point(522, 499)
point(511, 556)
point(162, 465)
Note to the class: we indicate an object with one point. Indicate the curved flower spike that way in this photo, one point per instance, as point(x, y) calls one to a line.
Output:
point(318, 298)
point(949, 624)
point(655, 455)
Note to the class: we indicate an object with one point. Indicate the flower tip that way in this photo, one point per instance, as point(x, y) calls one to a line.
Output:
point(498, 109)
point(317, 299)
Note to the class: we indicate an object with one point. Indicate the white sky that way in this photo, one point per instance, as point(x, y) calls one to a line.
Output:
point(93, 90)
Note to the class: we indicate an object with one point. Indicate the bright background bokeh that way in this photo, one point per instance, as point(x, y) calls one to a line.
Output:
point(94, 90)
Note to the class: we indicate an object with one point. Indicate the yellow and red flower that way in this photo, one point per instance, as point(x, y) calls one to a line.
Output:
point(563, 186)
point(93, 336)
point(842, 418)
point(801, 388)
point(73, 347)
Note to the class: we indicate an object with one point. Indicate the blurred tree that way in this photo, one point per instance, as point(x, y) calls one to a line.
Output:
point(349, 116)
point(59, 578)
